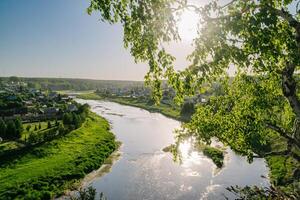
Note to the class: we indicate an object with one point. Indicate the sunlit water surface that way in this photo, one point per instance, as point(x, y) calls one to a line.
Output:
point(144, 171)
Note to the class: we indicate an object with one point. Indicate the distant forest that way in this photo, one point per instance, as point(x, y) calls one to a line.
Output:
point(72, 84)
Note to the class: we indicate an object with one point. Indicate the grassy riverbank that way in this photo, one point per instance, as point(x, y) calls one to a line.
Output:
point(48, 170)
point(173, 112)
point(282, 167)
point(167, 110)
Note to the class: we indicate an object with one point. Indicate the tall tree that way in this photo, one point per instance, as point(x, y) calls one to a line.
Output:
point(67, 118)
point(2, 128)
point(259, 39)
point(19, 127)
point(11, 130)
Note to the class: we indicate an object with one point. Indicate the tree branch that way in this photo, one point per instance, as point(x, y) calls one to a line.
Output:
point(287, 16)
point(228, 16)
point(289, 88)
point(282, 13)
point(278, 129)
point(228, 4)
point(272, 153)
point(183, 5)
point(283, 133)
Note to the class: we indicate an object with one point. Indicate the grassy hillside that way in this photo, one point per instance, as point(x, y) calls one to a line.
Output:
point(46, 171)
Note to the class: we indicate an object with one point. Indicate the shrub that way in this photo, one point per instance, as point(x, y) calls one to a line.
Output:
point(28, 128)
point(67, 118)
point(49, 125)
point(215, 154)
point(188, 109)
point(19, 127)
point(11, 131)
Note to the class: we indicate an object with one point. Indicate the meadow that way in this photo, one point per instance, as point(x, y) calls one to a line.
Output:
point(48, 170)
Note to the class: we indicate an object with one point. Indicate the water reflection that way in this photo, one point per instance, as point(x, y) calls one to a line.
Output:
point(144, 171)
point(189, 156)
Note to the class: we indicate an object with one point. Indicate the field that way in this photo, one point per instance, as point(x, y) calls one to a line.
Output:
point(12, 145)
point(44, 126)
point(48, 170)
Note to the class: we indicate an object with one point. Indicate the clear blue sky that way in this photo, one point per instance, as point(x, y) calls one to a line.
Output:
point(56, 38)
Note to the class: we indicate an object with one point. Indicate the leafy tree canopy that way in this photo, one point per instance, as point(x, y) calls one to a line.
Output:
point(260, 39)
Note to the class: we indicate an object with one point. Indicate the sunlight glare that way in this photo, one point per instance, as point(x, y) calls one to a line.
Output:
point(187, 25)
point(189, 156)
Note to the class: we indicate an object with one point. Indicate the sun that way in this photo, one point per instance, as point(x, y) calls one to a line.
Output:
point(187, 25)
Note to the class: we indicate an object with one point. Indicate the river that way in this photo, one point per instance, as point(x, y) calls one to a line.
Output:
point(144, 171)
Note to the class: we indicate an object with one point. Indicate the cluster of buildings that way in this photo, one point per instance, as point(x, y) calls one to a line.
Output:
point(31, 104)
point(133, 92)
point(143, 92)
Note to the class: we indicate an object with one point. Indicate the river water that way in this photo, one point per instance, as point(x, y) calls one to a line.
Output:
point(144, 171)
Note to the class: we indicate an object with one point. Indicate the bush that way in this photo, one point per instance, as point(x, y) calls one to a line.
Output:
point(11, 131)
point(67, 118)
point(188, 109)
point(49, 125)
point(32, 138)
point(28, 128)
point(19, 127)
point(215, 154)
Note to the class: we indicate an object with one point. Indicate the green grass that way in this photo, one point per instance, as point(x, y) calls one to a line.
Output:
point(44, 126)
point(14, 145)
point(72, 91)
point(92, 96)
point(48, 170)
point(10, 145)
point(167, 110)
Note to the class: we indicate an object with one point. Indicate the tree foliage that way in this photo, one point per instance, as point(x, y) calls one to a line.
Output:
point(260, 39)
point(187, 109)
point(19, 126)
point(28, 128)
point(2, 128)
point(11, 130)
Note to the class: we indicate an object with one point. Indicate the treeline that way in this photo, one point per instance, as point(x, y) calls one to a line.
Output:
point(75, 119)
point(72, 84)
point(11, 129)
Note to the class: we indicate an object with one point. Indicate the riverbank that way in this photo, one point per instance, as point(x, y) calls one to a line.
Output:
point(282, 167)
point(167, 110)
point(213, 153)
point(50, 169)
